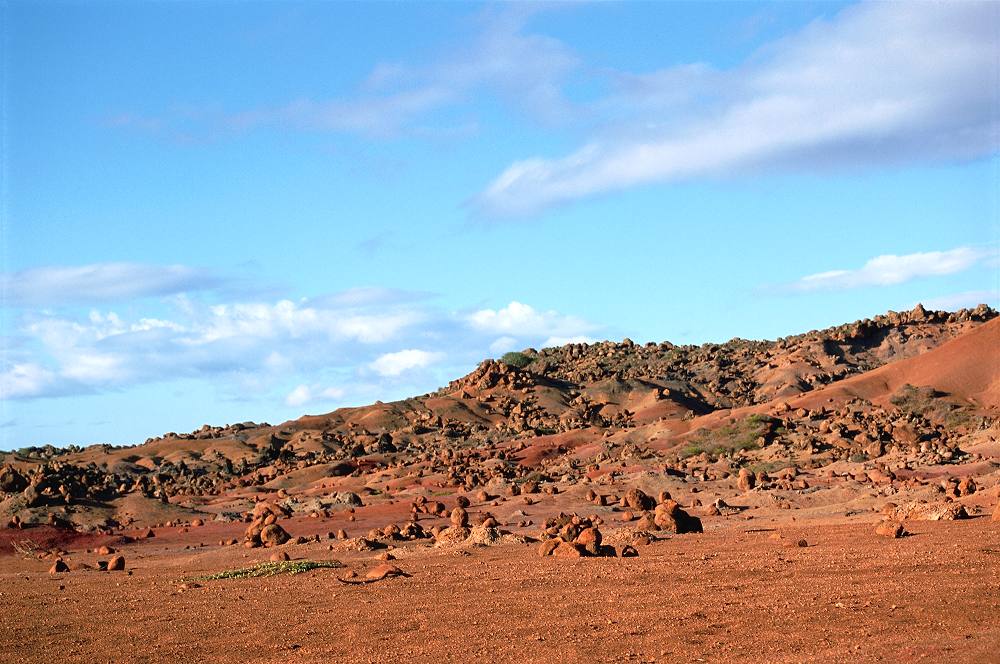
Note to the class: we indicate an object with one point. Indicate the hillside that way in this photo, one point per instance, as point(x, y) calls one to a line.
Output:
point(914, 382)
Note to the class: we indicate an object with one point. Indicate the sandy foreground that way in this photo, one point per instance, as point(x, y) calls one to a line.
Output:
point(732, 594)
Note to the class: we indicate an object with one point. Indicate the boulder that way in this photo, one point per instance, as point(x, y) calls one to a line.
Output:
point(547, 547)
point(890, 529)
point(459, 517)
point(670, 517)
point(273, 535)
point(566, 549)
point(638, 500)
point(590, 540)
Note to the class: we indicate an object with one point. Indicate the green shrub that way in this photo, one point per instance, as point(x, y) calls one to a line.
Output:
point(516, 359)
point(730, 438)
point(271, 569)
point(928, 402)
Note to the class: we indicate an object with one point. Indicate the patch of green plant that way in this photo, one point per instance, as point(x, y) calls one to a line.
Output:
point(693, 449)
point(768, 466)
point(270, 569)
point(516, 359)
point(730, 438)
point(928, 402)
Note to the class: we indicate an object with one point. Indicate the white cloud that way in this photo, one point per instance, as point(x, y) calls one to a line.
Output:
point(287, 350)
point(305, 394)
point(100, 282)
point(394, 364)
point(523, 320)
point(293, 320)
point(890, 269)
point(25, 380)
point(503, 344)
point(93, 368)
point(879, 83)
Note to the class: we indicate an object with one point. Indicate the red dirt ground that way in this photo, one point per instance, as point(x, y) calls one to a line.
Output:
point(731, 594)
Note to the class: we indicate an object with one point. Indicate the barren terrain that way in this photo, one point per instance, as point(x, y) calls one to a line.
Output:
point(827, 496)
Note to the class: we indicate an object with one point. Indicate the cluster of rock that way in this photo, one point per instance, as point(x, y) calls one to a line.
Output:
point(660, 514)
point(740, 372)
point(207, 431)
point(264, 529)
point(473, 434)
point(59, 483)
point(574, 536)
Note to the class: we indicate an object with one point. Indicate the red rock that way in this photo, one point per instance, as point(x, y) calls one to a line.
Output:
point(637, 499)
point(459, 517)
point(567, 550)
point(547, 547)
point(590, 540)
point(671, 518)
point(273, 535)
point(891, 529)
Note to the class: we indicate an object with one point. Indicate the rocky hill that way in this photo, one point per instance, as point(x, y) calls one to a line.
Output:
point(881, 394)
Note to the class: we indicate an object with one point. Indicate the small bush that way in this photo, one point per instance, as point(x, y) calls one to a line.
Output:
point(516, 359)
point(928, 402)
point(729, 439)
point(271, 569)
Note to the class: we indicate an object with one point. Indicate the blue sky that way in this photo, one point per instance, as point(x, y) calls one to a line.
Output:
point(217, 212)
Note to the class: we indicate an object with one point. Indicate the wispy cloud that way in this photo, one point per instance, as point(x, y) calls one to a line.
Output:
point(323, 349)
point(518, 318)
point(890, 269)
point(880, 83)
point(394, 364)
point(524, 70)
point(101, 282)
point(26, 379)
point(308, 394)
point(517, 321)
